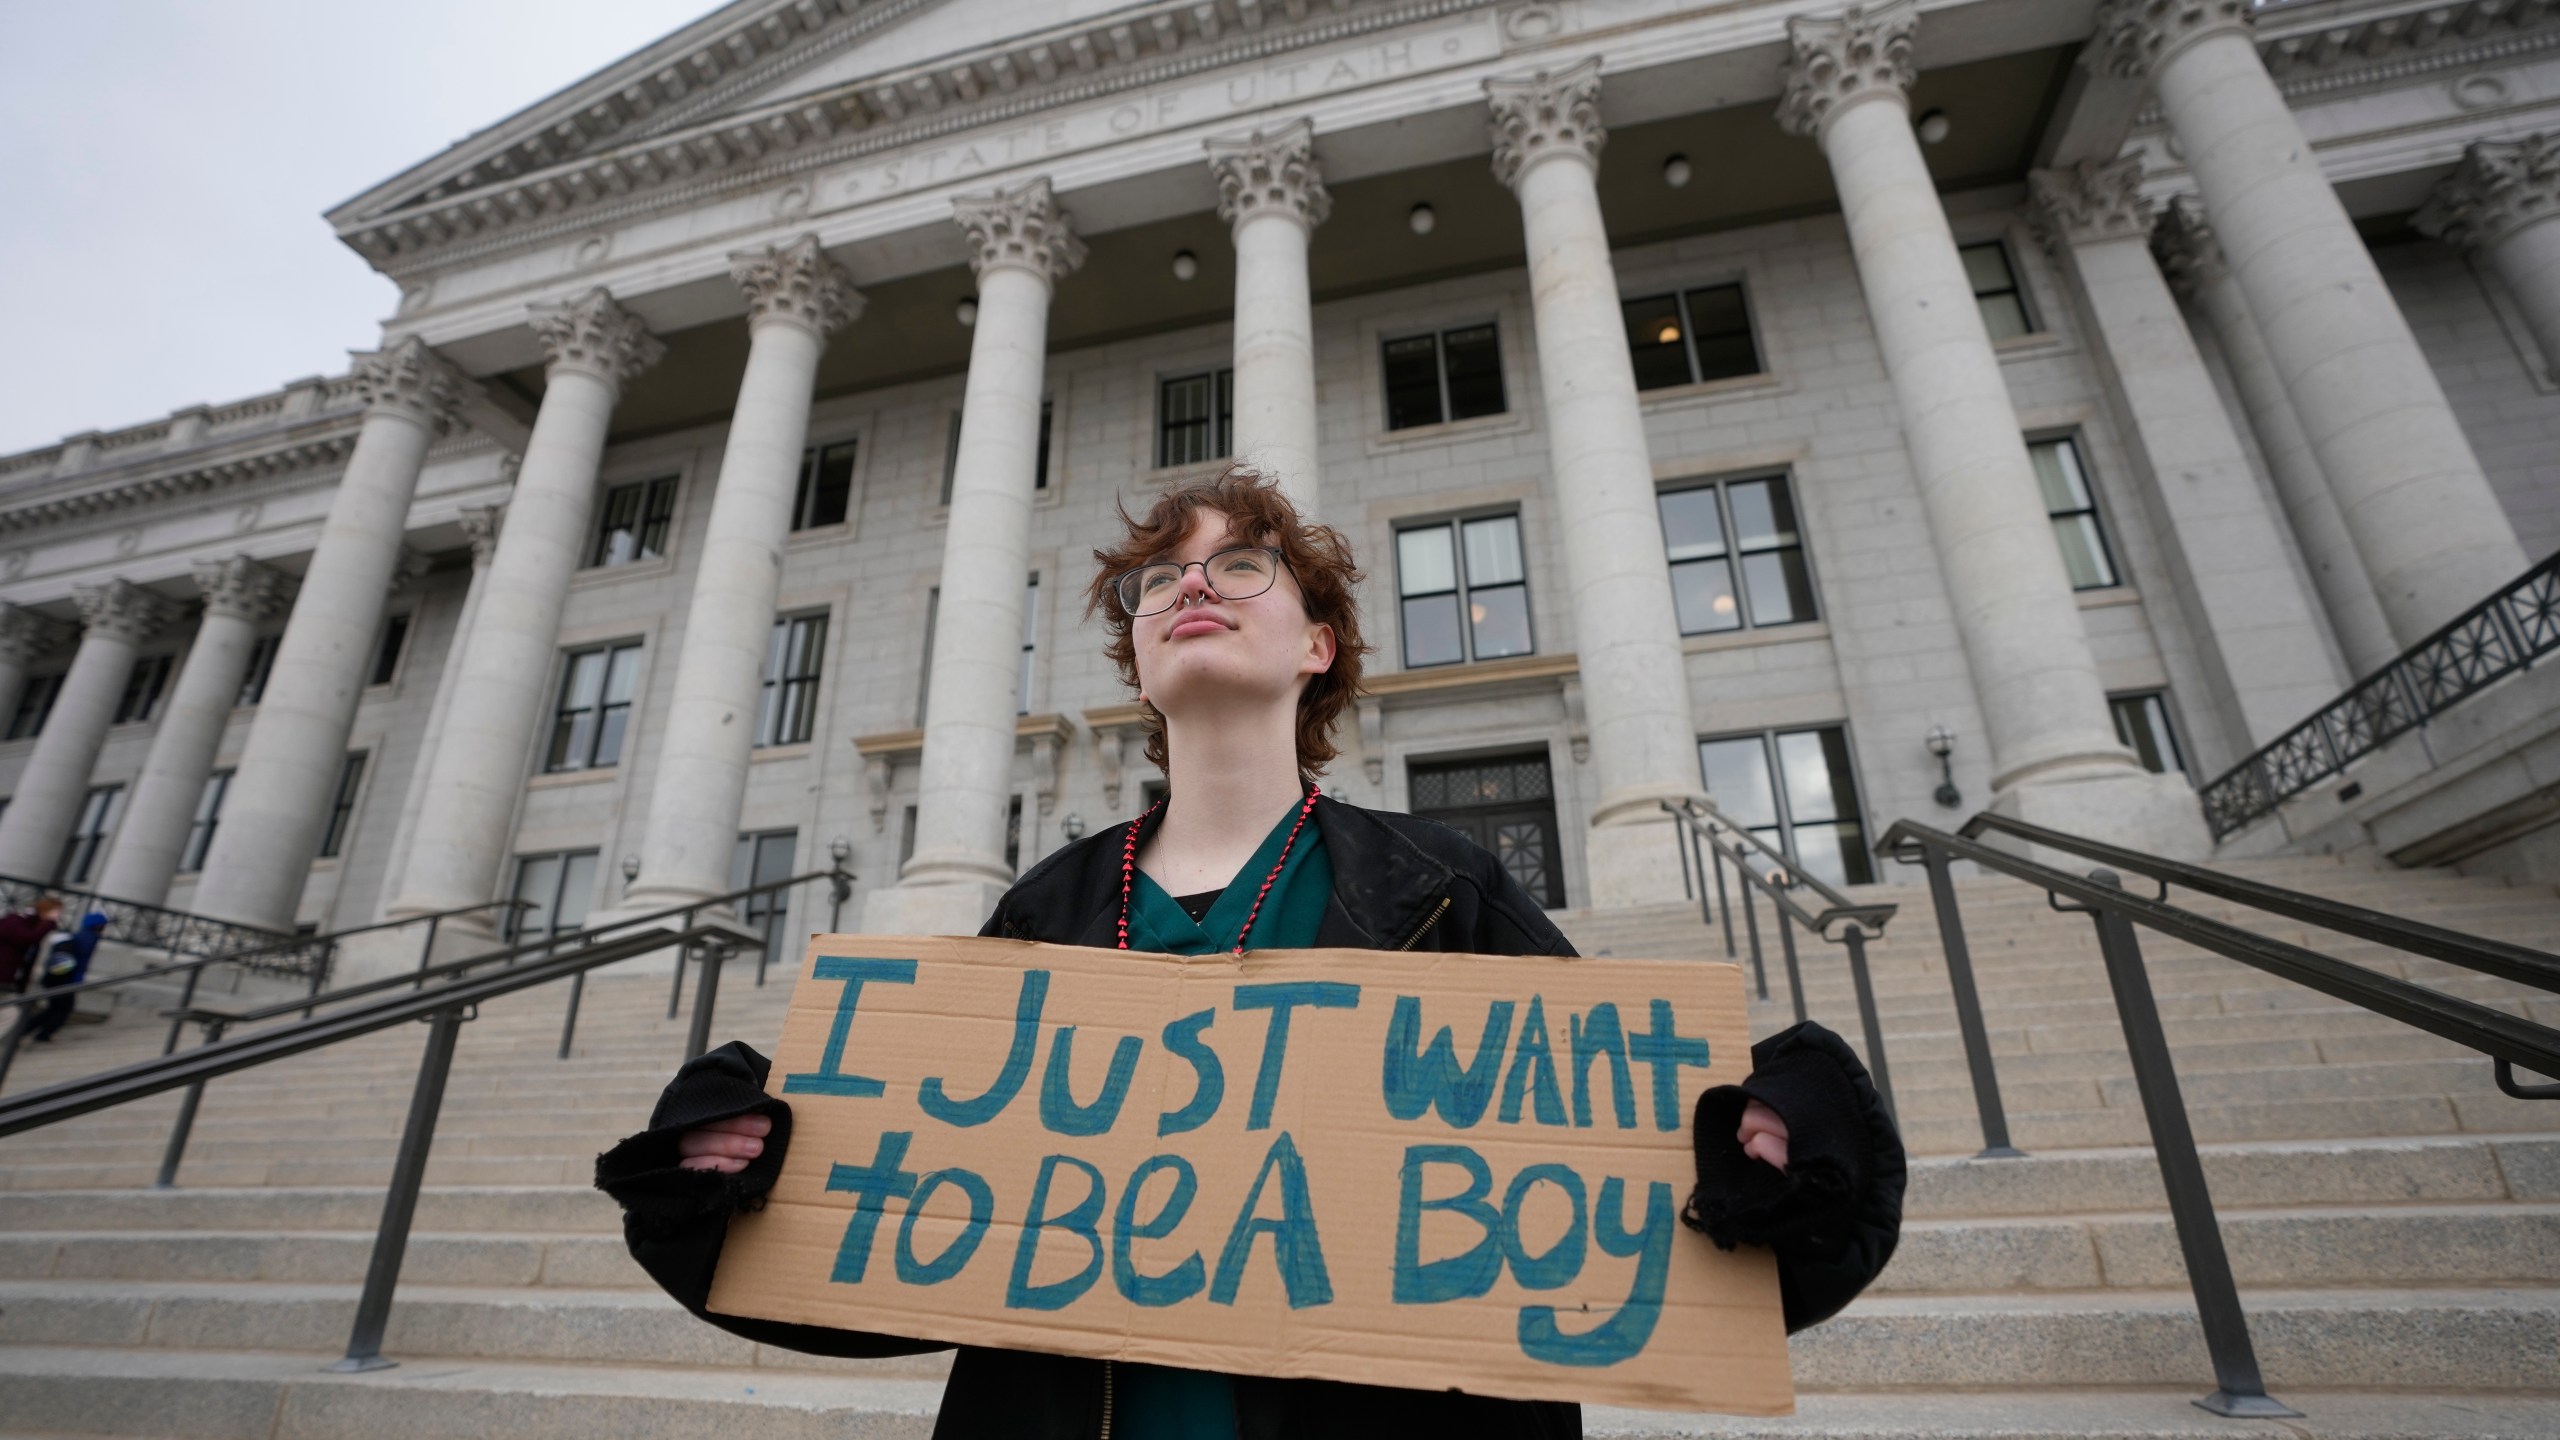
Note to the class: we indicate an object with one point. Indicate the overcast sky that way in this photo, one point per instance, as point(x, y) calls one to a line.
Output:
point(164, 163)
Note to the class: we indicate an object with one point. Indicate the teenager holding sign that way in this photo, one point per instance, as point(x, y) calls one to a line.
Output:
point(1236, 622)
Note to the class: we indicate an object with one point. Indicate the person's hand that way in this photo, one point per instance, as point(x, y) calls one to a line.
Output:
point(727, 1145)
point(1763, 1136)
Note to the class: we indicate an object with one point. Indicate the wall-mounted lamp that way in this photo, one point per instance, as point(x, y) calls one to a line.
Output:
point(1942, 743)
point(630, 870)
point(840, 850)
point(966, 312)
point(1423, 219)
point(1185, 264)
point(1675, 171)
point(1072, 827)
point(1933, 126)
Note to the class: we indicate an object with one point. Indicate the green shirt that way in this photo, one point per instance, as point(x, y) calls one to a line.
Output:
point(1153, 1402)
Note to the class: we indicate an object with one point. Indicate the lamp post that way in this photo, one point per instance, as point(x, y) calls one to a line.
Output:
point(1942, 743)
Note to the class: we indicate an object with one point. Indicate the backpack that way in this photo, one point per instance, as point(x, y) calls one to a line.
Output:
point(60, 962)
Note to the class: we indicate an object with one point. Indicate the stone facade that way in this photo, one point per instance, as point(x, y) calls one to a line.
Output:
point(817, 241)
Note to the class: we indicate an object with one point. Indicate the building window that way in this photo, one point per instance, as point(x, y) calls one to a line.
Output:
point(1195, 417)
point(826, 486)
point(1443, 376)
point(2075, 514)
point(595, 707)
point(1465, 591)
point(789, 714)
point(2142, 723)
point(262, 661)
point(342, 806)
point(1690, 337)
point(1795, 790)
point(34, 704)
point(1710, 531)
point(143, 685)
point(635, 522)
point(208, 817)
point(386, 657)
point(557, 890)
point(1039, 460)
point(88, 837)
point(1995, 290)
point(762, 859)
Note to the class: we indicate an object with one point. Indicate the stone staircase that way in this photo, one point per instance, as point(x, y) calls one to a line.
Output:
point(2394, 1221)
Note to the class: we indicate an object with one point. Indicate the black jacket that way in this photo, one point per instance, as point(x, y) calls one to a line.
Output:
point(1400, 883)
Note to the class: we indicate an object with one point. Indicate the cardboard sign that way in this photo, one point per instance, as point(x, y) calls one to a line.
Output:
point(1429, 1171)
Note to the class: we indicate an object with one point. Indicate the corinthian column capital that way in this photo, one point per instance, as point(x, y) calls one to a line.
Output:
point(243, 588)
point(480, 525)
point(1865, 52)
point(2091, 201)
point(1019, 225)
point(1270, 172)
point(122, 610)
point(2183, 243)
point(26, 637)
point(412, 380)
point(2132, 39)
point(592, 333)
point(1549, 113)
point(2500, 187)
point(796, 284)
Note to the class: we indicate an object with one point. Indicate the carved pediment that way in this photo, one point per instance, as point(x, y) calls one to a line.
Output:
point(774, 84)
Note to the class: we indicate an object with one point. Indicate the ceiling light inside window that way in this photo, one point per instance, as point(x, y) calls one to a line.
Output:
point(1669, 334)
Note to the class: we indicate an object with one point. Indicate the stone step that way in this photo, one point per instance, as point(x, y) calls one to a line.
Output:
point(514, 1209)
point(2503, 1339)
point(239, 1395)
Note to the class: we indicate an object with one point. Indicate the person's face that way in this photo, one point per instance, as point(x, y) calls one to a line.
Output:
point(1206, 650)
point(48, 910)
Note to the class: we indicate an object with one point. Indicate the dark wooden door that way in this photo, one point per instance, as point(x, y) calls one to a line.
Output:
point(1505, 804)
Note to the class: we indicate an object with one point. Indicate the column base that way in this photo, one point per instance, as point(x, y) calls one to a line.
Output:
point(2120, 805)
point(1634, 860)
point(933, 907)
point(379, 953)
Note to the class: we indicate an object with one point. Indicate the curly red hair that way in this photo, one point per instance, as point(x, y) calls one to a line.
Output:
point(1317, 556)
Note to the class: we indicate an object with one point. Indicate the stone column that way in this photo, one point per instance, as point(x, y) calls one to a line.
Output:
point(2433, 536)
point(278, 805)
point(1271, 195)
point(476, 769)
point(796, 298)
point(239, 596)
point(2054, 754)
point(1021, 246)
point(1644, 744)
point(25, 638)
point(2184, 245)
point(116, 618)
point(2493, 205)
point(2254, 628)
point(480, 527)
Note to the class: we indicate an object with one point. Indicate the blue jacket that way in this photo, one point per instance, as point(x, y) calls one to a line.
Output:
point(68, 962)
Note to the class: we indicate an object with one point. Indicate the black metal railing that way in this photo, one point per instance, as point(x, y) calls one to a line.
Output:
point(2497, 637)
point(2510, 1041)
point(156, 927)
point(323, 947)
point(446, 1005)
point(1708, 841)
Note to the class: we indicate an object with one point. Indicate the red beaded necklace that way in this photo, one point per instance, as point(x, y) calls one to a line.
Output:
point(1129, 867)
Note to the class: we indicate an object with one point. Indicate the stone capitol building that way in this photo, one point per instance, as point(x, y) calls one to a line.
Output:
point(1750, 400)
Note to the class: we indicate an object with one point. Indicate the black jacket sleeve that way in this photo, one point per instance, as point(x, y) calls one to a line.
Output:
point(1834, 1216)
point(675, 1220)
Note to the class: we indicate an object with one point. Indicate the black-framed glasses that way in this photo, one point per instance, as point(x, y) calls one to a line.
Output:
point(1238, 574)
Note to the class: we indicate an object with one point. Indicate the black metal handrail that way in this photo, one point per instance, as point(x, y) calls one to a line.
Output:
point(326, 946)
point(2509, 1040)
point(1708, 839)
point(455, 999)
point(840, 883)
point(2507, 632)
point(2507, 961)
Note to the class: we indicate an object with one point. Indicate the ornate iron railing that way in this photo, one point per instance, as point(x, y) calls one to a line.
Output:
point(2503, 634)
point(153, 927)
